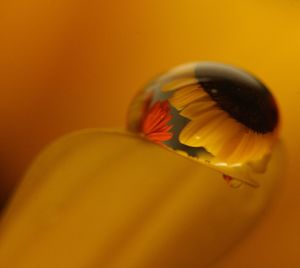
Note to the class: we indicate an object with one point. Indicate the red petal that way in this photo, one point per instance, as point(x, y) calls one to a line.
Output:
point(160, 136)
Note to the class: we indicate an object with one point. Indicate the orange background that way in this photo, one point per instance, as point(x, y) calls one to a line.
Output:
point(67, 65)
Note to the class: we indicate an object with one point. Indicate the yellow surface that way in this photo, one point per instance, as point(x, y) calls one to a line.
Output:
point(96, 199)
point(68, 64)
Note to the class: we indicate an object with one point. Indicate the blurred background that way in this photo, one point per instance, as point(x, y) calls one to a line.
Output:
point(68, 65)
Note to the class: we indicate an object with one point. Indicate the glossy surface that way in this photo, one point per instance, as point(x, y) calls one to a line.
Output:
point(211, 112)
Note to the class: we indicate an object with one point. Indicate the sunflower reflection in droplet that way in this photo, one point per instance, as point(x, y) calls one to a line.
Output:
point(213, 113)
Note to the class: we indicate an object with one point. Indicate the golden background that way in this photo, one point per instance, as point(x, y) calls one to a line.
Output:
point(68, 65)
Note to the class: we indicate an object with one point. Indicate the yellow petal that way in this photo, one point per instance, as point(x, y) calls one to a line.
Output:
point(100, 199)
point(178, 83)
point(196, 108)
point(186, 95)
point(195, 131)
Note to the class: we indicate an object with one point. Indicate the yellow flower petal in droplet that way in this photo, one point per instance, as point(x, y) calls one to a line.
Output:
point(209, 124)
point(178, 83)
point(100, 199)
point(186, 95)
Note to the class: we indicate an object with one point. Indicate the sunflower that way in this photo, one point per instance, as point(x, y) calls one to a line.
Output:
point(215, 126)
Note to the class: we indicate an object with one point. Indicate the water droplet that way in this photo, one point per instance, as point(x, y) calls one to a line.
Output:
point(209, 111)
